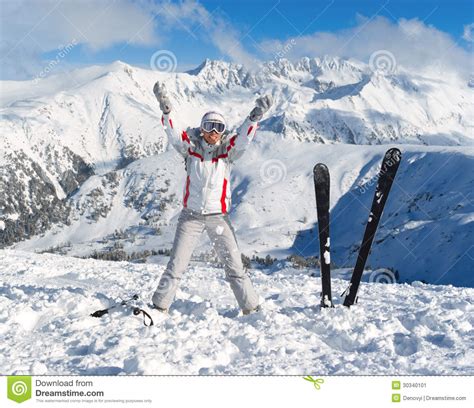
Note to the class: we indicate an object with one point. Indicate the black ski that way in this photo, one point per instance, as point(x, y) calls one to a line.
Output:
point(321, 188)
point(128, 303)
point(390, 164)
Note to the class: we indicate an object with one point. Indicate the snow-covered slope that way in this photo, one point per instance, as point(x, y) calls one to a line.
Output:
point(425, 233)
point(45, 302)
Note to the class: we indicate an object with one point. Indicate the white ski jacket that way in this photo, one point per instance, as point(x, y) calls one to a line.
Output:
point(207, 188)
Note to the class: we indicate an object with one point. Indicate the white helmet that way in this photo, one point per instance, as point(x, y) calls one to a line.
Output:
point(213, 121)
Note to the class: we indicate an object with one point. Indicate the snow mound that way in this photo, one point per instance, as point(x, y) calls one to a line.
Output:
point(45, 302)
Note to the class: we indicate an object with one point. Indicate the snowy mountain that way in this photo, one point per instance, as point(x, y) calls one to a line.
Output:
point(85, 167)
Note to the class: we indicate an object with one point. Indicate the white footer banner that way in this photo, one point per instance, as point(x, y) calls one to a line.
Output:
point(236, 391)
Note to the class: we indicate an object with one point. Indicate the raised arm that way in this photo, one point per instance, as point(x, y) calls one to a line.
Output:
point(245, 134)
point(179, 139)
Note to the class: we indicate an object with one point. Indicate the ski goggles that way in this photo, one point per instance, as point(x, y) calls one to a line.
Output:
point(210, 126)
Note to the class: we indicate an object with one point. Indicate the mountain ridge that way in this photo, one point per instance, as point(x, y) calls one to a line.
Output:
point(96, 123)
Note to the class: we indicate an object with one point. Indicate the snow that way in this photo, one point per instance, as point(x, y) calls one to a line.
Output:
point(45, 302)
point(326, 301)
point(327, 254)
point(327, 257)
point(12, 216)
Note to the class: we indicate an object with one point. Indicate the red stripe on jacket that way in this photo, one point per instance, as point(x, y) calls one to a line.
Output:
point(192, 153)
point(221, 156)
point(169, 120)
point(224, 155)
point(186, 195)
point(223, 195)
point(184, 137)
point(163, 121)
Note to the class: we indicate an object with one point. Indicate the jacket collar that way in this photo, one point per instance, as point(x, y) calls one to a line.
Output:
point(209, 147)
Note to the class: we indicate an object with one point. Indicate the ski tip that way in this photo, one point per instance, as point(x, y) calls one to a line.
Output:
point(393, 153)
point(320, 167)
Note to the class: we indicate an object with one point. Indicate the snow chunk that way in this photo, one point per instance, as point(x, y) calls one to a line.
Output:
point(327, 257)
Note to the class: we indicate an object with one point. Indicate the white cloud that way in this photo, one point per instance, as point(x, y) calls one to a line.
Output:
point(214, 27)
point(31, 27)
point(415, 45)
point(468, 34)
point(227, 41)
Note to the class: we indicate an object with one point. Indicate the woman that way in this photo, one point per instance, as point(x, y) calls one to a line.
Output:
point(209, 154)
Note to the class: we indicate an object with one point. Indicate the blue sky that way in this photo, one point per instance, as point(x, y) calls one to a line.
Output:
point(242, 31)
point(449, 16)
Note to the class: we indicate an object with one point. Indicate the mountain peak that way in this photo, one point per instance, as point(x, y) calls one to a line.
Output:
point(199, 68)
point(211, 65)
point(119, 65)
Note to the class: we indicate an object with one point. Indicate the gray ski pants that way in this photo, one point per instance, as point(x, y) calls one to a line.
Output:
point(190, 227)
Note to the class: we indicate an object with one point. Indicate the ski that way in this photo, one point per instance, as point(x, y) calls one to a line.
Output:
point(128, 303)
point(390, 164)
point(321, 188)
